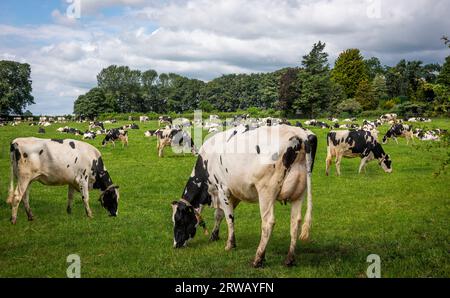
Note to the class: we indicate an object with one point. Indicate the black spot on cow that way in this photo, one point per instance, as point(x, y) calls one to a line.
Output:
point(42, 151)
point(231, 217)
point(215, 178)
point(220, 156)
point(258, 150)
point(226, 170)
point(234, 133)
point(84, 172)
point(291, 152)
point(311, 148)
point(68, 166)
point(76, 159)
point(57, 140)
point(25, 155)
point(15, 148)
point(196, 189)
point(72, 144)
point(247, 128)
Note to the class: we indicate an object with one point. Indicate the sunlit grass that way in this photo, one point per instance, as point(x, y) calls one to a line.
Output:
point(403, 217)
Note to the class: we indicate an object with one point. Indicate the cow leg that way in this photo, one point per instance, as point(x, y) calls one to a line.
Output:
point(328, 162)
point(26, 203)
point(70, 193)
point(19, 192)
point(218, 216)
point(396, 141)
point(84, 189)
point(296, 218)
point(338, 164)
point(266, 207)
point(363, 164)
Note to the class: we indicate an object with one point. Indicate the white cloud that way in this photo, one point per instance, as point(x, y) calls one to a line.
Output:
point(207, 38)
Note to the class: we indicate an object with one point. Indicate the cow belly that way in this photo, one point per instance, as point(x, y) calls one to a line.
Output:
point(294, 184)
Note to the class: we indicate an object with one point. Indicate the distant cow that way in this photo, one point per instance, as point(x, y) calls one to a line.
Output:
point(114, 135)
point(96, 124)
point(143, 118)
point(89, 135)
point(223, 177)
point(173, 137)
point(164, 120)
point(59, 162)
point(388, 117)
point(354, 143)
point(150, 133)
point(399, 130)
point(41, 130)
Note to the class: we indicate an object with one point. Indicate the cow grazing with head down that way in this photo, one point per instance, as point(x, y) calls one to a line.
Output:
point(399, 130)
point(59, 162)
point(114, 135)
point(354, 143)
point(244, 165)
point(173, 137)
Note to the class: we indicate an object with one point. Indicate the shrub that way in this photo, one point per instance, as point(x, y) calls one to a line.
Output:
point(350, 106)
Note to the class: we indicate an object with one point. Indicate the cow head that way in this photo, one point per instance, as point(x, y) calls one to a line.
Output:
point(185, 223)
point(110, 199)
point(386, 163)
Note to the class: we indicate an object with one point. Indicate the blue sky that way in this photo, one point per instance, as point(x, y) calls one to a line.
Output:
point(205, 38)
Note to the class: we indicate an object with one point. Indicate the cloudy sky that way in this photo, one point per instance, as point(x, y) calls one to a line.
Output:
point(67, 42)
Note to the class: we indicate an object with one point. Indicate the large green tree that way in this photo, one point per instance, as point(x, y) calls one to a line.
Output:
point(444, 75)
point(93, 103)
point(15, 87)
point(365, 95)
point(349, 70)
point(314, 81)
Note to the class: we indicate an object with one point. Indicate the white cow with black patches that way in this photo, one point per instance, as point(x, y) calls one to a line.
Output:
point(59, 162)
point(262, 166)
point(354, 143)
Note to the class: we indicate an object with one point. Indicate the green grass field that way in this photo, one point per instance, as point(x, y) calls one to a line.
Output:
point(404, 217)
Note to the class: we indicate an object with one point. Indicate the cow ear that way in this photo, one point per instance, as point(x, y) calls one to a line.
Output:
point(387, 156)
point(174, 203)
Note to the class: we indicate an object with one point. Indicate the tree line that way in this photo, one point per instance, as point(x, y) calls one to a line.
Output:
point(354, 84)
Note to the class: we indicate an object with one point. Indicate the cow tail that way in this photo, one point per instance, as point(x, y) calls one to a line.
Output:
point(311, 148)
point(13, 173)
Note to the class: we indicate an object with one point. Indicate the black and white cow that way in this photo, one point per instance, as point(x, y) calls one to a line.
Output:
point(96, 125)
point(354, 143)
point(174, 137)
point(114, 135)
point(164, 120)
point(59, 162)
point(262, 166)
point(399, 130)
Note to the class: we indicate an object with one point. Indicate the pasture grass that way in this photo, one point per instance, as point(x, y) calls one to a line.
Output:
point(403, 217)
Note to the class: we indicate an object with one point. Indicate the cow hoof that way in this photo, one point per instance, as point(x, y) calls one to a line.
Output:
point(258, 263)
point(13, 220)
point(30, 218)
point(289, 262)
point(214, 236)
point(230, 246)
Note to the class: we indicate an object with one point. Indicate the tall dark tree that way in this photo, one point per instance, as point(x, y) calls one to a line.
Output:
point(444, 75)
point(374, 67)
point(289, 90)
point(15, 87)
point(314, 81)
point(93, 103)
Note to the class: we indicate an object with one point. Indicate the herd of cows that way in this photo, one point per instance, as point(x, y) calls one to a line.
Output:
point(280, 172)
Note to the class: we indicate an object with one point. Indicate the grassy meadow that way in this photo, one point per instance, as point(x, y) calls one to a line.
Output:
point(404, 217)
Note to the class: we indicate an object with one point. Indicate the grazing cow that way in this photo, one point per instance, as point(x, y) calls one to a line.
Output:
point(89, 135)
point(263, 172)
point(388, 117)
point(173, 137)
point(96, 124)
point(59, 162)
point(114, 135)
point(130, 126)
point(354, 143)
point(164, 120)
point(399, 130)
point(143, 118)
point(150, 133)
